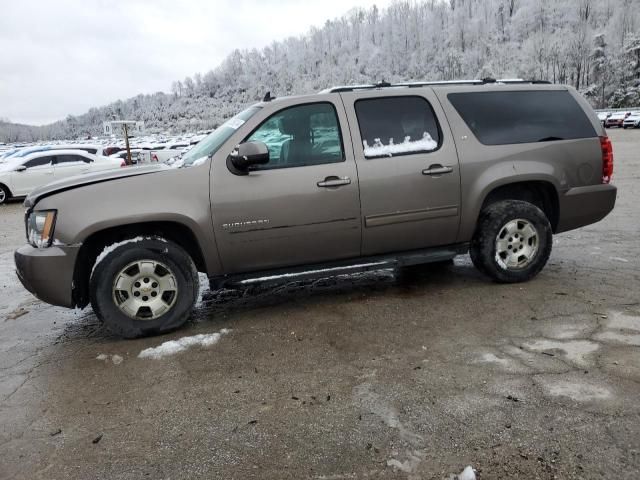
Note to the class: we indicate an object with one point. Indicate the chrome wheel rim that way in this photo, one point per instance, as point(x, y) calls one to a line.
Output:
point(145, 290)
point(3, 196)
point(516, 244)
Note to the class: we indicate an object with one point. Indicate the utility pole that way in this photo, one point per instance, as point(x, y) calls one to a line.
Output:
point(126, 142)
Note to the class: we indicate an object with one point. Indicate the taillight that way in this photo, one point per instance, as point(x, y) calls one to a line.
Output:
point(154, 157)
point(607, 159)
point(123, 164)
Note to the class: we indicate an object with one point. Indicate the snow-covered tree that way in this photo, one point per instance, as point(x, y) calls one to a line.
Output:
point(593, 45)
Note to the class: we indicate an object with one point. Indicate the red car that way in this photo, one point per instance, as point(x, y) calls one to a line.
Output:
point(616, 119)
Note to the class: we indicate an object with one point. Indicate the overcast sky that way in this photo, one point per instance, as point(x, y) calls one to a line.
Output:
point(65, 56)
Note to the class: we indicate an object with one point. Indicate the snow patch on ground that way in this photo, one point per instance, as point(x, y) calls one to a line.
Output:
point(576, 351)
point(467, 474)
point(618, 337)
point(173, 347)
point(578, 391)
point(115, 359)
point(621, 328)
point(623, 321)
point(563, 331)
point(491, 358)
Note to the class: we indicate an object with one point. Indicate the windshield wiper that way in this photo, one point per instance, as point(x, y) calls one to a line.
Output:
point(550, 139)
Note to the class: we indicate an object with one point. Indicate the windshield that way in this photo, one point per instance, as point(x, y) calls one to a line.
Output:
point(212, 142)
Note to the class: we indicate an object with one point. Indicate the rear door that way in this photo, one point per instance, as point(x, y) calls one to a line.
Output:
point(68, 165)
point(300, 208)
point(407, 168)
point(39, 171)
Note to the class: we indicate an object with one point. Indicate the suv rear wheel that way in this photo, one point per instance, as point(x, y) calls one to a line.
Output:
point(144, 287)
point(512, 242)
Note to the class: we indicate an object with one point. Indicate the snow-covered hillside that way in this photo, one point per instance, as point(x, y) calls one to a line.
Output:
point(593, 45)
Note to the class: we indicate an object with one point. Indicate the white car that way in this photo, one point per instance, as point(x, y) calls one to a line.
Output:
point(602, 116)
point(632, 121)
point(18, 176)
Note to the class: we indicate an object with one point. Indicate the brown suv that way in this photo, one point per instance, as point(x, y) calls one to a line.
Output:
point(351, 178)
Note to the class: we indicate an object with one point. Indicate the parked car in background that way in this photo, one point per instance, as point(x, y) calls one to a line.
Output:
point(161, 155)
point(23, 152)
point(135, 155)
point(353, 178)
point(18, 176)
point(616, 119)
point(632, 121)
point(602, 116)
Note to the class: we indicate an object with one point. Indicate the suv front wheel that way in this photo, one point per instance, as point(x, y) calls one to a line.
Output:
point(144, 286)
point(512, 242)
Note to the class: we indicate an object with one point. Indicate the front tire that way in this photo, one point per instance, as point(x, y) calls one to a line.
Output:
point(5, 194)
point(144, 287)
point(512, 242)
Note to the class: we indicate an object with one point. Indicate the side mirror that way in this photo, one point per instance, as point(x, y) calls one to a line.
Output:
point(21, 168)
point(246, 155)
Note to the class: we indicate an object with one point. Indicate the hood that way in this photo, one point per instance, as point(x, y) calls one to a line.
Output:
point(89, 179)
point(8, 164)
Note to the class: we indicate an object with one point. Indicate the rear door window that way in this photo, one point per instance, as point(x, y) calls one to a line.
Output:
point(394, 126)
point(501, 118)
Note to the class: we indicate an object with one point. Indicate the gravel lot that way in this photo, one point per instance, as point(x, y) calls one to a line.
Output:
point(410, 374)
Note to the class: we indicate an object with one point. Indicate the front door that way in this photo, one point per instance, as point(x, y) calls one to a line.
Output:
point(39, 171)
point(300, 208)
point(408, 170)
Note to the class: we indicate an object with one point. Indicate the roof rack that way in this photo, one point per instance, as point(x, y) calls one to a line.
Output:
point(383, 84)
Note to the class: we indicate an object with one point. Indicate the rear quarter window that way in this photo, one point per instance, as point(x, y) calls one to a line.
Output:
point(502, 118)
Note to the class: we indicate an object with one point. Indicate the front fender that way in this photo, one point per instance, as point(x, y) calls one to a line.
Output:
point(179, 196)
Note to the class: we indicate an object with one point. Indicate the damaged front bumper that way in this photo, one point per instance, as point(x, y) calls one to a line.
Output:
point(48, 272)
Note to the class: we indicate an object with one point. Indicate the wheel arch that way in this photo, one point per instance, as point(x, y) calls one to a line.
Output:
point(8, 190)
point(541, 193)
point(95, 243)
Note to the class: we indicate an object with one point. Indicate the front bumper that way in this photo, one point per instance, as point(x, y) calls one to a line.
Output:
point(582, 206)
point(48, 272)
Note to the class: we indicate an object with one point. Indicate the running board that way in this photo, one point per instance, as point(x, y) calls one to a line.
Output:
point(344, 267)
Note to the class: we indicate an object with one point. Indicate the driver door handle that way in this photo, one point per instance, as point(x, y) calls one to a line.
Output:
point(334, 181)
point(437, 170)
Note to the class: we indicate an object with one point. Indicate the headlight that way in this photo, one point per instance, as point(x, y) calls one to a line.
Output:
point(40, 226)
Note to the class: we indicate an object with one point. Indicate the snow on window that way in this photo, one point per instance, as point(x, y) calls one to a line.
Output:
point(378, 149)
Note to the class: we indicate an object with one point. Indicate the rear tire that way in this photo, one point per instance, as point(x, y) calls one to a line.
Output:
point(144, 287)
point(512, 242)
point(5, 194)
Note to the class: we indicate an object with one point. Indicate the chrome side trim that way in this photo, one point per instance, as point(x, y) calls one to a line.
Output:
point(410, 216)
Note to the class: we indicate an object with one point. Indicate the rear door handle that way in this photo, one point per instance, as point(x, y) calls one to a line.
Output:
point(334, 181)
point(437, 170)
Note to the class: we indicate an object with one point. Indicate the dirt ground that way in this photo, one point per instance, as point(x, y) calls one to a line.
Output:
point(410, 374)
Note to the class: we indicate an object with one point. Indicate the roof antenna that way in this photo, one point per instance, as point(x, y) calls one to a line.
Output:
point(382, 84)
point(488, 80)
point(268, 97)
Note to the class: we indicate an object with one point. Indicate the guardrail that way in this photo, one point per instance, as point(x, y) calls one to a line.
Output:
point(611, 110)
